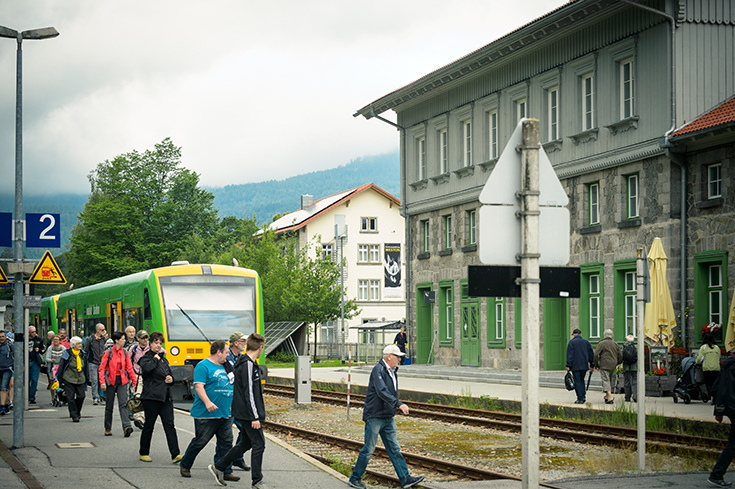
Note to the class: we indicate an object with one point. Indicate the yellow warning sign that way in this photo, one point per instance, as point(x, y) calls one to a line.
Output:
point(47, 271)
point(3, 277)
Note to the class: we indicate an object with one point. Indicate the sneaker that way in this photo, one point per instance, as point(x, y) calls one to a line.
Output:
point(108, 432)
point(218, 475)
point(241, 465)
point(412, 481)
point(356, 483)
point(32, 401)
point(146, 458)
point(579, 402)
point(231, 477)
point(185, 472)
point(718, 482)
point(177, 459)
point(76, 420)
point(260, 485)
point(138, 424)
point(128, 431)
point(96, 402)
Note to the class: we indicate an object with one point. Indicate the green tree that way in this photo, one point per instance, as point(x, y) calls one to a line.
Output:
point(143, 209)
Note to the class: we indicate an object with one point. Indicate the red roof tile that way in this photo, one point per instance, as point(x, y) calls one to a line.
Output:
point(722, 114)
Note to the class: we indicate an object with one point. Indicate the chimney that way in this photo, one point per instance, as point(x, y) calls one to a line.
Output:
point(307, 201)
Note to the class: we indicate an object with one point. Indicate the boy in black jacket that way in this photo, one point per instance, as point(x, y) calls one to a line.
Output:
point(249, 409)
point(723, 392)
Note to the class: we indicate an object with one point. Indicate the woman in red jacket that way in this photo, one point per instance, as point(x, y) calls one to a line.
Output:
point(115, 372)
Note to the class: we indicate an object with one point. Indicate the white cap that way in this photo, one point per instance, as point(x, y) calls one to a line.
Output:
point(392, 350)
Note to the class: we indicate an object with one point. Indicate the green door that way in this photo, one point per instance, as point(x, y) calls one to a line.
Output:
point(470, 354)
point(424, 326)
point(556, 333)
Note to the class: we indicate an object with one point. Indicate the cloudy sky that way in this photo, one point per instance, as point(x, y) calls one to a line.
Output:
point(251, 91)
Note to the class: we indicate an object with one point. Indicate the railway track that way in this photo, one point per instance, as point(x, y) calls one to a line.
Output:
point(602, 435)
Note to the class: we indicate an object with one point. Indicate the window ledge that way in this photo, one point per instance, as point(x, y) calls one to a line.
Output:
point(707, 204)
point(421, 184)
point(443, 178)
point(585, 136)
point(590, 230)
point(629, 224)
point(423, 256)
point(445, 252)
point(624, 125)
point(554, 145)
point(446, 343)
point(469, 248)
point(488, 165)
point(465, 171)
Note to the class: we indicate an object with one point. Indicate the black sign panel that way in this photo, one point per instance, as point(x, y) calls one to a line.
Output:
point(500, 281)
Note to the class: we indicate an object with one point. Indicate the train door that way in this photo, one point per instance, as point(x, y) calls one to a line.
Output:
point(556, 333)
point(424, 325)
point(71, 321)
point(114, 317)
point(469, 328)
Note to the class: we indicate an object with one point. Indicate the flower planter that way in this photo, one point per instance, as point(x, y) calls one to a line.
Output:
point(678, 350)
point(660, 385)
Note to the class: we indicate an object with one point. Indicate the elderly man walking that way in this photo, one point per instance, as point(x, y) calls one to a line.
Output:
point(608, 355)
point(378, 412)
point(94, 348)
point(580, 357)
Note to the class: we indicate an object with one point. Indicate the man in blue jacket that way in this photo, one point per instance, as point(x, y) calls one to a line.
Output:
point(380, 407)
point(580, 357)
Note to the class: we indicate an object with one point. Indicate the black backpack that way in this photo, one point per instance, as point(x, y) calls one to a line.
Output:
point(569, 381)
point(630, 354)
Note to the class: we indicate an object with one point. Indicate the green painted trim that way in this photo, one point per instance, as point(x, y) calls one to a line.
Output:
point(441, 302)
point(702, 262)
point(490, 303)
point(518, 322)
point(620, 268)
point(588, 269)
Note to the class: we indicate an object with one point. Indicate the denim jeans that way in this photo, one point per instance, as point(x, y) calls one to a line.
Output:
point(252, 438)
point(237, 442)
point(34, 369)
point(204, 430)
point(386, 428)
point(94, 379)
point(579, 384)
point(718, 472)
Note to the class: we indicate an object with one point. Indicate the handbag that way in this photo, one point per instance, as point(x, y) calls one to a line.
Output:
point(569, 381)
point(134, 404)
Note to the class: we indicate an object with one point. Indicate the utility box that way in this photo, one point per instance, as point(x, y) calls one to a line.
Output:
point(302, 378)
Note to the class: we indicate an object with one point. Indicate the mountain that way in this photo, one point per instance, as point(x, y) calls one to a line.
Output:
point(262, 199)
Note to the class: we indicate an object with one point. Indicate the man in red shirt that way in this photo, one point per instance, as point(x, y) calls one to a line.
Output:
point(115, 372)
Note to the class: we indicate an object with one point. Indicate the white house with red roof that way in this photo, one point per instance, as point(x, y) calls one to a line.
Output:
point(373, 251)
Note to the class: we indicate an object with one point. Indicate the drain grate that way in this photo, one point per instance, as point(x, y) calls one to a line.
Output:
point(84, 444)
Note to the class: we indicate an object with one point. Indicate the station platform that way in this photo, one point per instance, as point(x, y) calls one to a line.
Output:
point(60, 454)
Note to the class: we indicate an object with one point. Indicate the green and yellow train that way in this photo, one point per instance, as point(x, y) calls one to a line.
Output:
point(219, 299)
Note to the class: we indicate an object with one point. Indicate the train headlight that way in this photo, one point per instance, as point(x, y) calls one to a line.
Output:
point(174, 350)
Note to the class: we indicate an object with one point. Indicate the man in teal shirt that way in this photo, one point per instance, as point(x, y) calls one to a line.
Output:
point(211, 409)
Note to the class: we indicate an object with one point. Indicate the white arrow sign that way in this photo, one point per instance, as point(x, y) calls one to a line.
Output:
point(500, 227)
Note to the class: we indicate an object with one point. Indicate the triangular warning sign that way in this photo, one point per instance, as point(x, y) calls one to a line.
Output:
point(3, 277)
point(47, 271)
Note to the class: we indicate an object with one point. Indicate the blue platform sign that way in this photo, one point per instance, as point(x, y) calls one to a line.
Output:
point(43, 230)
point(6, 229)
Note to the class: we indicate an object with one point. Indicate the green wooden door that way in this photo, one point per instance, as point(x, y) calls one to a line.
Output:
point(424, 326)
point(470, 330)
point(556, 333)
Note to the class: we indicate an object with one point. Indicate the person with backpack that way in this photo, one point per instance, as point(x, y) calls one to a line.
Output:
point(608, 355)
point(630, 369)
point(115, 372)
point(723, 393)
point(94, 347)
point(709, 356)
point(72, 374)
point(6, 371)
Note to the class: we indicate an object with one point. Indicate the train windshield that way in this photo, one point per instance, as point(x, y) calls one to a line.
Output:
point(218, 304)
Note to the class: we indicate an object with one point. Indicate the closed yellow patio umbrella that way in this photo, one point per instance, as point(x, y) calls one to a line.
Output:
point(660, 318)
point(730, 331)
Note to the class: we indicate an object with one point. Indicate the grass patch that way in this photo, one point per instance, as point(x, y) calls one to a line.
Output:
point(337, 464)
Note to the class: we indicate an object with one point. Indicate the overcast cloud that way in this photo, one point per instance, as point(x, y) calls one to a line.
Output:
point(251, 91)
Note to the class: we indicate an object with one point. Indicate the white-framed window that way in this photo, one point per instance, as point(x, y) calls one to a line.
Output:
point(467, 142)
point(421, 157)
point(425, 236)
point(362, 253)
point(714, 181)
point(492, 136)
point(499, 318)
point(594, 282)
point(633, 210)
point(594, 203)
point(472, 227)
point(375, 253)
point(375, 290)
point(443, 152)
point(327, 251)
point(362, 290)
point(631, 304)
point(626, 88)
point(553, 105)
point(715, 294)
point(521, 111)
point(368, 224)
point(447, 232)
point(449, 311)
point(588, 102)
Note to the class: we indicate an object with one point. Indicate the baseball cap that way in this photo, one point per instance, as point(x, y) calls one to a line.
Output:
point(142, 334)
point(392, 350)
point(236, 336)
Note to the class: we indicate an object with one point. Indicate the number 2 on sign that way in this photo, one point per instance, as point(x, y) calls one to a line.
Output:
point(43, 235)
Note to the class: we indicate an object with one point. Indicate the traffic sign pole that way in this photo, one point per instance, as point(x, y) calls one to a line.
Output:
point(530, 301)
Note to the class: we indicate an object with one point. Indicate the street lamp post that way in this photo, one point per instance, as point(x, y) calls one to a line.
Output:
point(37, 34)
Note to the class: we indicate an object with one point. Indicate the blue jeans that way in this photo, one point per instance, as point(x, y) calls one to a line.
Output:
point(5, 375)
point(728, 453)
point(386, 428)
point(94, 379)
point(204, 430)
point(34, 369)
point(579, 384)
